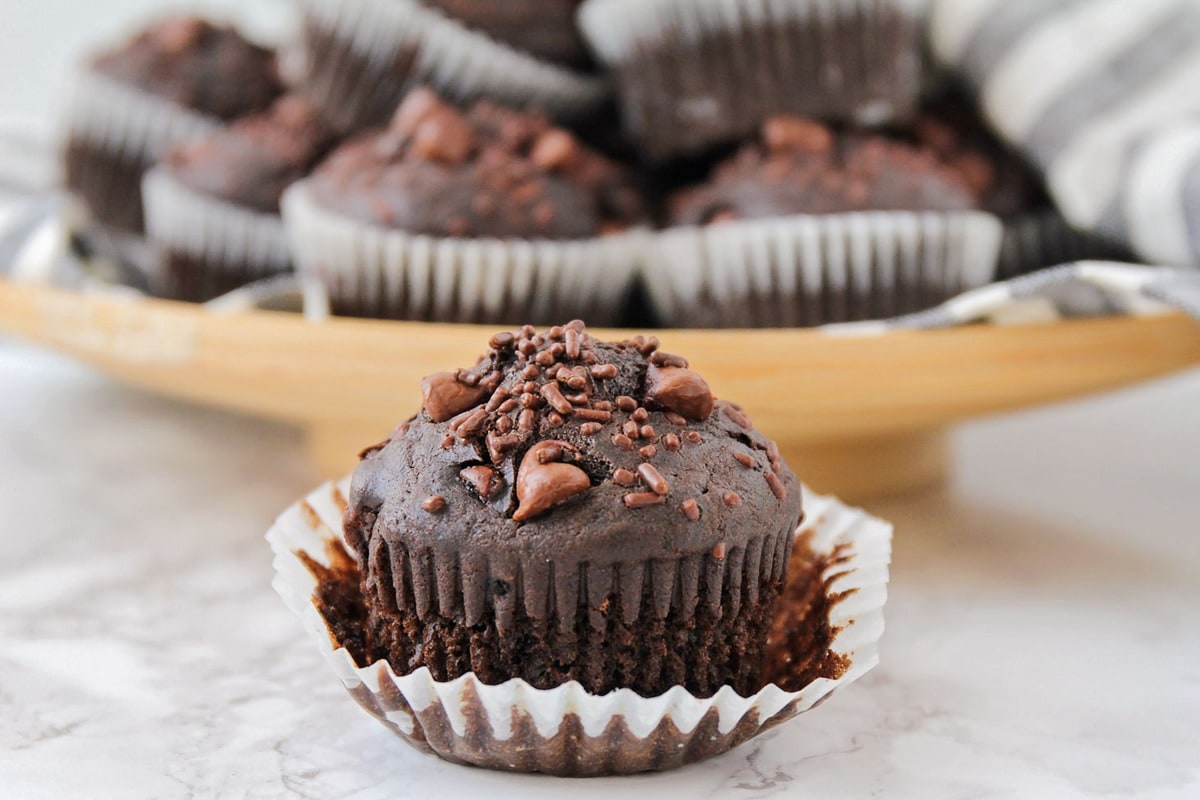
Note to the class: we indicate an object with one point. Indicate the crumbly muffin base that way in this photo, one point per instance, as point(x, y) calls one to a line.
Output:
point(110, 183)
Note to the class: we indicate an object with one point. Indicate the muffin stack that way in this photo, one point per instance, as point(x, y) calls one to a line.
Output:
point(686, 162)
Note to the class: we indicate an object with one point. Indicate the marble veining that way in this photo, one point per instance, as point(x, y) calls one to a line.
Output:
point(1042, 632)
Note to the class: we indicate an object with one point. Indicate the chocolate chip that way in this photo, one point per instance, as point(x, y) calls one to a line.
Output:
point(502, 341)
point(679, 390)
point(675, 419)
point(640, 415)
point(622, 441)
point(732, 499)
point(653, 478)
point(626, 404)
point(484, 481)
point(643, 499)
point(623, 477)
point(793, 134)
point(445, 397)
point(499, 445)
point(745, 459)
point(554, 150)
point(737, 415)
point(556, 333)
point(593, 415)
point(649, 451)
point(504, 424)
point(554, 397)
point(691, 510)
point(529, 373)
point(542, 485)
point(526, 421)
point(777, 487)
point(554, 419)
point(497, 399)
point(647, 432)
point(473, 424)
point(631, 430)
point(445, 137)
point(434, 505)
point(573, 344)
point(671, 442)
point(694, 437)
point(590, 428)
point(419, 105)
point(661, 359)
point(718, 551)
point(605, 372)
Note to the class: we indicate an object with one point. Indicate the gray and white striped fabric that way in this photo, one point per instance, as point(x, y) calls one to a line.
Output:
point(1103, 96)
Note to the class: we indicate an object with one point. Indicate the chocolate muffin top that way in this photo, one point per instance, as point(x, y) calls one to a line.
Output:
point(556, 448)
point(488, 172)
point(253, 161)
point(798, 166)
point(544, 28)
point(204, 67)
point(1005, 183)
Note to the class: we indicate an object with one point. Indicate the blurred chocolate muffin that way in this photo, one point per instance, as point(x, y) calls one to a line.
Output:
point(180, 78)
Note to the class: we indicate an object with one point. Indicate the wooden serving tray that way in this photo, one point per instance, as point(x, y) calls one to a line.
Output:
point(858, 416)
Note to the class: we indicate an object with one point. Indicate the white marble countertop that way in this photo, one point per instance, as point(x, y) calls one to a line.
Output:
point(1043, 634)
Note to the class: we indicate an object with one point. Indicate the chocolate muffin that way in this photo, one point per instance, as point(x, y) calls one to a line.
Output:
point(480, 216)
point(808, 225)
point(574, 510)
point(180, 78)
point(694, 74)
point(799, 166)
point(363, 56)
point(545, 28)
point(213, 203)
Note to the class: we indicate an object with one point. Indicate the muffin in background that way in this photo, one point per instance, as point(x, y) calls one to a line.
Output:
point(808, 225)
point(180, 78)
point(490, 215)
point(363, 56)
point(570, 509)
point(212, 205)
point(694, 74)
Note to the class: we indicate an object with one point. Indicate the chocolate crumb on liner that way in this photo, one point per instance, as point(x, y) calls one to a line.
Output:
point(373, 271)
point(825, 636)
point(691, 74)
point(807, 270)
point(363, 56)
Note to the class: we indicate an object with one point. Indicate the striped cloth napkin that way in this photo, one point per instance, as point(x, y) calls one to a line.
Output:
point(1104, 96)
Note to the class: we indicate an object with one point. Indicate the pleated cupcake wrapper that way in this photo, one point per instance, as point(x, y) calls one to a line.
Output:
point(816, 269)
point(236, 244)
point(692, 73)
point(128, 122)
point(566, 730)
point(374, 271)
point(1041, 239)
point(461, 63)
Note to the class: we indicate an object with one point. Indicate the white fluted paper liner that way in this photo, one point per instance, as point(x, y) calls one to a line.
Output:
point(1041, 239)
point(126, 121)
point(691, 73)
point(815, 269)
point(461, 63)
point(371, 270)
point(240, 245)
point(566, 730)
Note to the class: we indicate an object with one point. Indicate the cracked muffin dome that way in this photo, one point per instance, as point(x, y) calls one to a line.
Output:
point(570, 509)
point(490, 172)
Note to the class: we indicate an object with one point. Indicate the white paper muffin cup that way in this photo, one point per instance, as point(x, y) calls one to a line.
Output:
point(374, 271)
point(566, 730)
point(693, 73)
point(392, 46)
point(807, 270)
point(225, 245)
point(112, 134)
point(1041, 239)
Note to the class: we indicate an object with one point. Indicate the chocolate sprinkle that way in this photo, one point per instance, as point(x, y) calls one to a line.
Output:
point(732, 499)
point(434, 505)
point(691, 510)
point(653, 478)
point(745, 459)
point(643, 499)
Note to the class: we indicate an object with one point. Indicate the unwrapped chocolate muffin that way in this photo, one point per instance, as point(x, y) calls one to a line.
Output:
point(570, 509)
point(182, 77)
point(212, 205)
point(808, 225)
point(490, 215)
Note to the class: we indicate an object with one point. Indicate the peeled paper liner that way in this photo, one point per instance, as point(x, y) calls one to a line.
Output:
point(566, 730)
point(808, 270)
point(375, 271)
point(126, 121)
point(461, 63)
point(248, 243)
